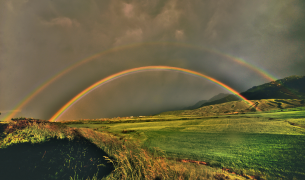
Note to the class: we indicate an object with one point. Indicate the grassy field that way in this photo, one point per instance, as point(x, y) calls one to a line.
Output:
point(42, 150)
point(262, 144)
point(272, 155)
point(268, 145)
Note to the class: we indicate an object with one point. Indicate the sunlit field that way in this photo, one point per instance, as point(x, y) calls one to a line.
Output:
point(39, 150)
point(260, 145)
point(269, 145)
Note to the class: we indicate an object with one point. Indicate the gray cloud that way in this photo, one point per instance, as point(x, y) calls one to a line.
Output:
point(40, 39)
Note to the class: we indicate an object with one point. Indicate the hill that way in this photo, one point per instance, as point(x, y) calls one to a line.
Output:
point(292, 87)
point(234, 107)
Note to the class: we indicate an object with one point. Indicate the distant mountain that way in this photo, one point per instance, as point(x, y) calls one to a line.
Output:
point(200, 103)
point(292, 87)
point(197, 105)
point(225, 99)
point(219, 96)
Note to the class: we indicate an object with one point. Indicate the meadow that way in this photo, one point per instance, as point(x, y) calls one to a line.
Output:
point(254, 145)
point(35, 149)
point(268, 145)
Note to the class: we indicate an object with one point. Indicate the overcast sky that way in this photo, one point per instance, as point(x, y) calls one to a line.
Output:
point(39, 39)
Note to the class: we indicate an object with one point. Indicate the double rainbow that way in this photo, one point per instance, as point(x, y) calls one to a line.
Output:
point(41, 87)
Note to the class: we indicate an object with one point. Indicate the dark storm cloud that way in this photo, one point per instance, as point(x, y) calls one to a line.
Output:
point(42, 38)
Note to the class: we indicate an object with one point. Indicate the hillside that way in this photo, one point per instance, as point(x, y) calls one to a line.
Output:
point(233, 107)
point(292, 87)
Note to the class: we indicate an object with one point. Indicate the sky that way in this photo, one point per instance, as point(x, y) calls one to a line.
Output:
point(39, 39)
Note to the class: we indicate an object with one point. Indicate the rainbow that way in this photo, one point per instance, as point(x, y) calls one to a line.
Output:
point(135, 70)
point(41, 87)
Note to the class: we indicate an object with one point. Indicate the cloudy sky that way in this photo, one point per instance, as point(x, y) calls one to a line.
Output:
point(39, 39)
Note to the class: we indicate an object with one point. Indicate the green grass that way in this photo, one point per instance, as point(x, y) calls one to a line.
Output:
point(297, 121)
point(264, 144)
point(285, 114)
point(275, 155)
point(269, 145)
point(209, 125)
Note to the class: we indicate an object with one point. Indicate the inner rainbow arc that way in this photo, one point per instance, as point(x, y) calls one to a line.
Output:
point(140, 69)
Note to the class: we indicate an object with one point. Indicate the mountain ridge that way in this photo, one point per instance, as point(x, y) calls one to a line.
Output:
point(288, 92)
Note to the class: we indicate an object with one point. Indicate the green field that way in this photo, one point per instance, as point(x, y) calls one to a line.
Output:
point(272, 154)
point(264, 144)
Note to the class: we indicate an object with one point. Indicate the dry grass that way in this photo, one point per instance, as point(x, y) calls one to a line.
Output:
point(34, 131)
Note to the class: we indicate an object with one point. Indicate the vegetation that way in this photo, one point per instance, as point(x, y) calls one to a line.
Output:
point(63, 153)
point(40, 150)
point(234, 107)
point(267, 145)
point(23, 118)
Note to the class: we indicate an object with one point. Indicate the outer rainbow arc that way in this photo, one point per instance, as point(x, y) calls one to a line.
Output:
point(83, 61)
point(140, 69)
